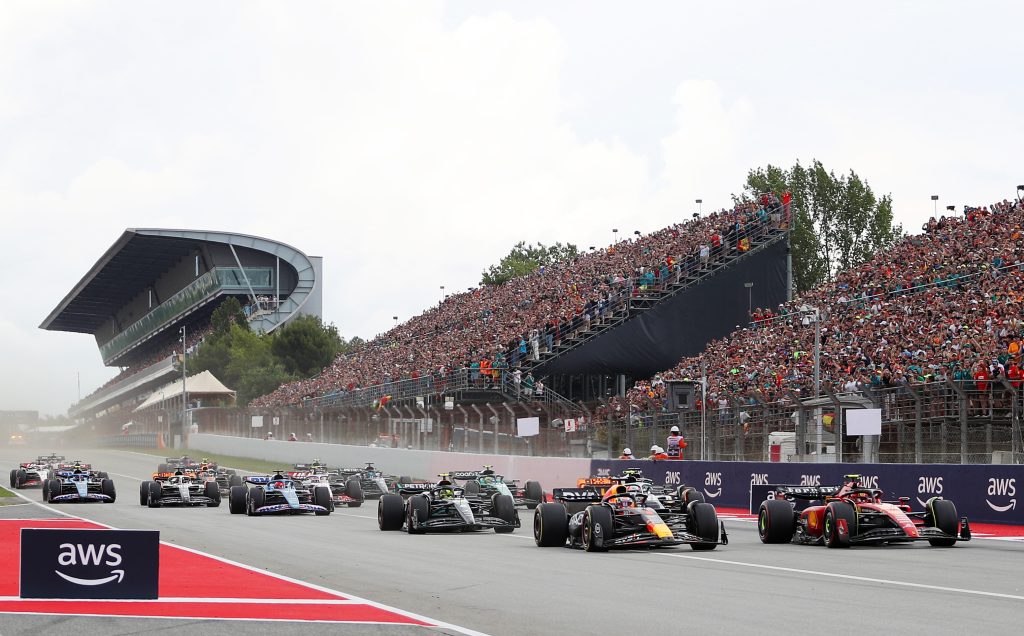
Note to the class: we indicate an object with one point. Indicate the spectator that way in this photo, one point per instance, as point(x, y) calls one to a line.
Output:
point(657, 452)
point(626, 453)
point(675, 444)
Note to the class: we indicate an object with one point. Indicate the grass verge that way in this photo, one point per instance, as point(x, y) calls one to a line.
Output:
point(7, 498)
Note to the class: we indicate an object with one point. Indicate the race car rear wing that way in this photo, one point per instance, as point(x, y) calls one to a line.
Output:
point(413, 489)
point(464, 475)
point(801, 496)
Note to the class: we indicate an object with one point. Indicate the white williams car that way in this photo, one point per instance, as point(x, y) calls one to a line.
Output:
point(179, 490)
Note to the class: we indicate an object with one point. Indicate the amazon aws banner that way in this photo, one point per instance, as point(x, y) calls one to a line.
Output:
point(989, 493)
point(110, 564)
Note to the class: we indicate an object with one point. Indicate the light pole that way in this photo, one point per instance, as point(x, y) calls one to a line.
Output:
point(442, 294)
point(395, 318)
point(703, 408)
point(184, 391)
point(935, 204)
point(699, 206)
point(615, 235)
point(750, 297)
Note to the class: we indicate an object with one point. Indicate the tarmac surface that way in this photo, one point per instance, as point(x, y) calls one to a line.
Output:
point(503, 584)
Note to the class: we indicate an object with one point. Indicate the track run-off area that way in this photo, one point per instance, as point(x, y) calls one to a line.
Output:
point(234, 574)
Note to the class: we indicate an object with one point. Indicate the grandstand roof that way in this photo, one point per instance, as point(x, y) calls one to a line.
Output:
point(132, 262)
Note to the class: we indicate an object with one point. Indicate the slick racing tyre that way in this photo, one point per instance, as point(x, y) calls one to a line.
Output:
point(688, 494)
point(533, 492)
point(390, 512)
point(417, 509)
point(256, 499)
point(236, 500)
point(212, 492)
point(776, 521)
point(103, 475)
point(322, 497)
point(550, 525)
point(107, 488)
point(941, 514)
point(14, 477)
point(598, 527)
point(234, 480)
point(46, 489)
point(835, 512)
point(704, 522)
point(505, 509)
point(354, 489)
point(53, 487)
point(156, 492)
point(472, 488)
point(21, 478)
point(144, 493)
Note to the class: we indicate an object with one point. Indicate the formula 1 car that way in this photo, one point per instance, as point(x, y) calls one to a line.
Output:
point(30, 474)
point(374, 483)
point(623, 517)
point(443, 506)
point(78, 486)
point(345, 491)
point(840, 516)
point(179, 490)
point(277, 494)
point(486, 483)
point(185, 463)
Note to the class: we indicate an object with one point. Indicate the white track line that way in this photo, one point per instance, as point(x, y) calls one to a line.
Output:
point(847, 577)
point(218, 618)
point(197, 599)
point(418, 617)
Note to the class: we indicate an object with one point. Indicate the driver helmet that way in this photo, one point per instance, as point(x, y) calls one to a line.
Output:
point(487, 479)
point(278, 484)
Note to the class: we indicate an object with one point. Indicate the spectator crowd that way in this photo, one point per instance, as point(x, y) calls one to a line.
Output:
point(946, 303)
point(494, 328)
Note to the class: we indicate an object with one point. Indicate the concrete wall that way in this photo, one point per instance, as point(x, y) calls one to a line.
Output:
point(551, 472)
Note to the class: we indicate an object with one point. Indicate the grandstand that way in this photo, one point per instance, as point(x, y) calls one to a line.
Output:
point(151, 283)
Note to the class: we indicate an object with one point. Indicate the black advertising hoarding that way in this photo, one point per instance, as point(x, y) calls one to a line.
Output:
point(101, 564)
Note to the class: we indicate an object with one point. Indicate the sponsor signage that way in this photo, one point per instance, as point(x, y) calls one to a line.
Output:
point(106, 564)
point(989, 493)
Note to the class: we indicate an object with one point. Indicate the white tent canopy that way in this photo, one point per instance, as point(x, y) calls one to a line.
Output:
point(204, 383)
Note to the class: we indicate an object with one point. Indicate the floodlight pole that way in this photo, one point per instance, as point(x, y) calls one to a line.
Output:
point(817, 383)
point(184, 392)
point(703, 408)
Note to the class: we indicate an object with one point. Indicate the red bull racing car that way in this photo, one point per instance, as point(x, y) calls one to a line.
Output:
point(841, 516)
point(623, 517)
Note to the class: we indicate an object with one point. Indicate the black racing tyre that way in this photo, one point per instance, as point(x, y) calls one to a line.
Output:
point(704, 524)
point(163, 468)
point(322, 497)
point(941, 514)
point(143, 493)
point(835, 512)
point(598, 526)
point(472, 488)
point(103, 475)
point(405, 479)
point(14, 477)
point(54, 486)
point(417, 509)
point(234, 480)
point(156, 492)
point(390, 512)
point(688, 494)
point(107, 488)
point(21, 478)
point(550, 525)
point(354, 489)
point(533, 492)
point(212, 491)
point(505, 509)
point(236, 500)
point(256, 499)
point(776, 521)
point(46, 489)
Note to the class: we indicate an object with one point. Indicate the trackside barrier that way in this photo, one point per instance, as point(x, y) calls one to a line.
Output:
point(985, 493)
point(550, 472)
point(133, 440)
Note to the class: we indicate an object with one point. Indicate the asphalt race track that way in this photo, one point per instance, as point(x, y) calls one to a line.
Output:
point(504, 584)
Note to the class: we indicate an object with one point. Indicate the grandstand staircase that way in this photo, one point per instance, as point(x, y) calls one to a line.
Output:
point(647, 300)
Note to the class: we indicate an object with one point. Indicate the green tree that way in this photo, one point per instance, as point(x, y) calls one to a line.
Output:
point(228, 312)
point(305, 346)
point(253, 370)
point(524, 259)
point(838, 222)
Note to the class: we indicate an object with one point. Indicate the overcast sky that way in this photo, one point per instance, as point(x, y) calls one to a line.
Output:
point(412, 144)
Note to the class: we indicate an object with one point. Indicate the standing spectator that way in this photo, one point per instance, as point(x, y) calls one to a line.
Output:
point(675, 444)
point(528, 384)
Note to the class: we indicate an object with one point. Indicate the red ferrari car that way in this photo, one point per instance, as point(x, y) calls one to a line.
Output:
point(840, 516)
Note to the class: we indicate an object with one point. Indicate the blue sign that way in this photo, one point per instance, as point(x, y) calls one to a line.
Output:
point(107, 564)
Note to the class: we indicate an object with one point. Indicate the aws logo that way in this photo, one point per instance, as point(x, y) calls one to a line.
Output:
point(928, 486)
point(90, 555)
point(1002, 487)
point(810, 480)
point(758, 479)
point(710, 480)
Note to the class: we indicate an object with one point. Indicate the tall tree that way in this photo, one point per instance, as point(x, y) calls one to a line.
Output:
point(838, 222)
point(524, 259)
point(227, 313)
point(305, 346)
